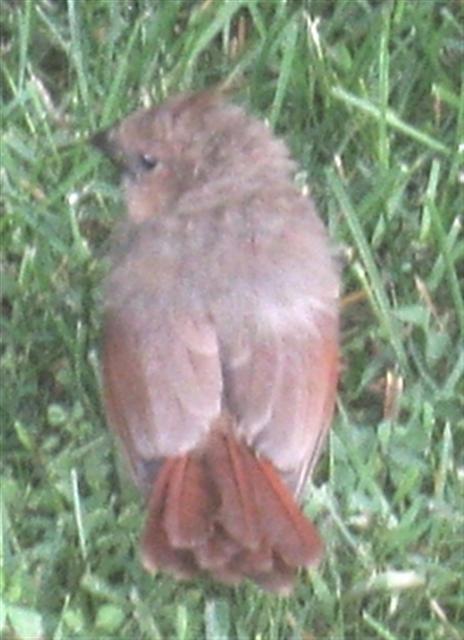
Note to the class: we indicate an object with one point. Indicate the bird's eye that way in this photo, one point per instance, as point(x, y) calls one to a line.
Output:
point(148, 162)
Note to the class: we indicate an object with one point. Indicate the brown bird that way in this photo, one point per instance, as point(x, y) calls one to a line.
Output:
point(220, 354)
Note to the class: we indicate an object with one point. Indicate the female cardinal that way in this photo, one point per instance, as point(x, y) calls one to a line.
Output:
point(220, 351)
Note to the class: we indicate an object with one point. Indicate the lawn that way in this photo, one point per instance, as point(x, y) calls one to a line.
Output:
point(369, 96)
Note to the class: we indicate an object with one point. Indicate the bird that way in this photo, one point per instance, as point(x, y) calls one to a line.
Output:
point(220, 346)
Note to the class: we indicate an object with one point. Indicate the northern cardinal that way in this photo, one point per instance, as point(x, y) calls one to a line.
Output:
point(220, 349)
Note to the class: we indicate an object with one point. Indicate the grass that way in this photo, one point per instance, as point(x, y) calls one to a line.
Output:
point(370, 97)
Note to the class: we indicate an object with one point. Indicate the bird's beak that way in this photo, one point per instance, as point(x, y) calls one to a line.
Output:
point(106, 142)
point(100, 141)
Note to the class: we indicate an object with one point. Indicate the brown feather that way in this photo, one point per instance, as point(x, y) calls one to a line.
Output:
point(238, 513)
point(189, 502)
point(156, 548)
point(292, 536)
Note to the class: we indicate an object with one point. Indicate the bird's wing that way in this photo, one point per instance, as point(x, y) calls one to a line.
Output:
point(282, 391)
point(165, 383)
point(162, 385)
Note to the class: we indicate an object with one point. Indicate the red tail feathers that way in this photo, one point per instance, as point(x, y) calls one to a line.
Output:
point(227, 513)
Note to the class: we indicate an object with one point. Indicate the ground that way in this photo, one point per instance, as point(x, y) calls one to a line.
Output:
point(369, 96)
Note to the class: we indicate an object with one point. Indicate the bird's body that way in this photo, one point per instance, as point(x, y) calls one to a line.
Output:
point(220, 356)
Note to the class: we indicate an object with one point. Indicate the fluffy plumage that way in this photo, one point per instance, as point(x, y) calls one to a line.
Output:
point(220, 355)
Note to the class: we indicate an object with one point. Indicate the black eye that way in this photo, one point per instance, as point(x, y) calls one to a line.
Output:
point(147, 162)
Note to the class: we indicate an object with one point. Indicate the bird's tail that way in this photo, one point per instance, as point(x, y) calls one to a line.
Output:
point(226, 512)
